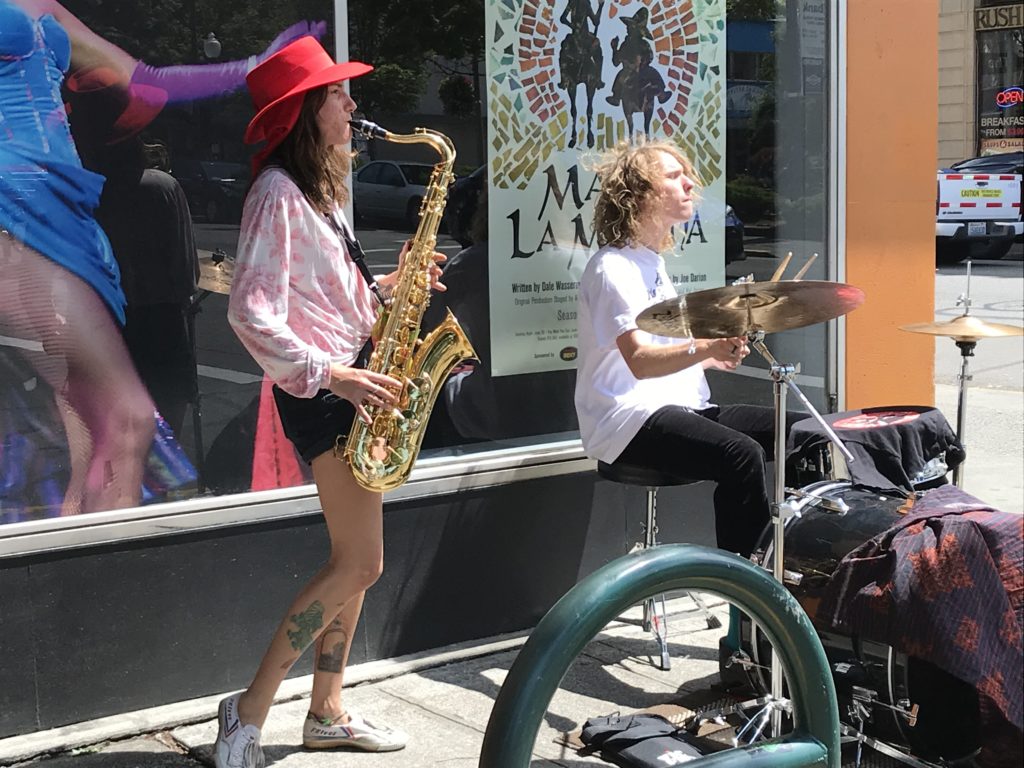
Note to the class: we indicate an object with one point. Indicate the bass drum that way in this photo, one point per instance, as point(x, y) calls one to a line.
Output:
point(882, 692)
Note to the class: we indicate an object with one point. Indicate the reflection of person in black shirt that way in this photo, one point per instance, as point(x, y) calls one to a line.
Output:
point(482, 407)
point(145, 215)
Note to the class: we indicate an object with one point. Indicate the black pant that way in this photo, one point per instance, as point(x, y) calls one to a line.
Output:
point(727, 445)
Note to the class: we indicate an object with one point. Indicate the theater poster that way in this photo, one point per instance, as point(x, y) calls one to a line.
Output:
point(566, 80)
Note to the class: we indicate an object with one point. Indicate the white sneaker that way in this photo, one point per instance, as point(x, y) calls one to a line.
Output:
point(238, 746)
point(357, 733)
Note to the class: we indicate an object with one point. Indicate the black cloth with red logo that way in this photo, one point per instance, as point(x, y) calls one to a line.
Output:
point(946, 585)
point(890, 444)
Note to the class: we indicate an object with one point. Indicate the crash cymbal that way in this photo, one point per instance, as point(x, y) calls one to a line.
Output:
point(965, 328)
point(215, 273)
point(735, 310)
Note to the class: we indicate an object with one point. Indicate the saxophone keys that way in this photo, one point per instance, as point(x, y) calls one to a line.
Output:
point(399, 455)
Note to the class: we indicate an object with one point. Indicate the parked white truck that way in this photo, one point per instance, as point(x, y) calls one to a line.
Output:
point(978, 210)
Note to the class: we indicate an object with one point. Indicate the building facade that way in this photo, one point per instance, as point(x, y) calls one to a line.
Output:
point(981, 58)
point(168, 594)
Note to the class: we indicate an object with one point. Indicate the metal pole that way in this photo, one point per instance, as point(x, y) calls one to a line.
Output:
point(573, 621)
point(966, 352)
point(778, 373)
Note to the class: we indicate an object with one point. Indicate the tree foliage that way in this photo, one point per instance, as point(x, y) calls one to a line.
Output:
point(400, 38)
point(753, 10)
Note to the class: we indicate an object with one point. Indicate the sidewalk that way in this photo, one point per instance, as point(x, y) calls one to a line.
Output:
point(443, 698)
point(994, 439)
point(444, 705)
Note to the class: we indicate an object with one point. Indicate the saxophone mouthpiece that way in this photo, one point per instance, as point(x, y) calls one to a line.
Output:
point(368, 129)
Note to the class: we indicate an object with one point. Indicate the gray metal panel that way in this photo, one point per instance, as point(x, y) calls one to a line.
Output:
point(435, 476)
point(18, 631)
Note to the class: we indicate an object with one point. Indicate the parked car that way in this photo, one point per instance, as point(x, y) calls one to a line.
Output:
point(215, 189)
point(978, 207)
point(386, 189)
point(1006, 162)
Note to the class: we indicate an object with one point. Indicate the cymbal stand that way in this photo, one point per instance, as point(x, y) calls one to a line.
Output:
point(966, 347)
point(782, 378)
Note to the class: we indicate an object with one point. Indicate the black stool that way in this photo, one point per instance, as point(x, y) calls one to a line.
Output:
point(655, 620)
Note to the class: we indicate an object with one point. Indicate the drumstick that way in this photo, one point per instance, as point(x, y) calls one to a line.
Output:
point(782, 267)
point(805, 267)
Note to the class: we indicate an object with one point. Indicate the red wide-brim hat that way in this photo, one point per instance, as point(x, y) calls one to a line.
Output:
point(298, 67)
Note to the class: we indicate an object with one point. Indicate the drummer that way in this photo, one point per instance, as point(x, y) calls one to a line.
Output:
point(643, 399)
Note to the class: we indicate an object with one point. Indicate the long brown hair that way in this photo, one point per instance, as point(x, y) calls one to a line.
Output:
point(628, 174)
point(318, 170)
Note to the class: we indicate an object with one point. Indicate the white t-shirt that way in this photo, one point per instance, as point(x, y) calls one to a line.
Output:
point(611, 403)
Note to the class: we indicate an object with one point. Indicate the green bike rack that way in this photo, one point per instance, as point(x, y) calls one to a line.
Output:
point(604, 595)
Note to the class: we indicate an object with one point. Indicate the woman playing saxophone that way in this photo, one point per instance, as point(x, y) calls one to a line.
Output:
point(305, 313)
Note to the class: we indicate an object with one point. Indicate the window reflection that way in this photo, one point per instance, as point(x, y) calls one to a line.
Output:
point(185, 154)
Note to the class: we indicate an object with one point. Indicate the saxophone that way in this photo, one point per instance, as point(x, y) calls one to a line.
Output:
point(381, 453)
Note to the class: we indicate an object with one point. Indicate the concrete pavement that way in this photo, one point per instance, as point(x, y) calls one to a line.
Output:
point(442, 700)
point(994, 438)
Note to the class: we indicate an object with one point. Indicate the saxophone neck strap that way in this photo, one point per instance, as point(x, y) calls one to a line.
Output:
point(355, 252)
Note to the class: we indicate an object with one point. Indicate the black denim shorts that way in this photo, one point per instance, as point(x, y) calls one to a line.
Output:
point(313, 424)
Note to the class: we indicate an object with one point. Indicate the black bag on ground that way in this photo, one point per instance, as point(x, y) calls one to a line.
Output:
point(638, 741)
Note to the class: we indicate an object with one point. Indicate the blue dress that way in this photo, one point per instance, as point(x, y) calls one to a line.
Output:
point(47, 198)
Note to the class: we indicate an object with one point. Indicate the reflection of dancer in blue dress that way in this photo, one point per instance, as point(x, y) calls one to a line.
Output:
point(60, 294)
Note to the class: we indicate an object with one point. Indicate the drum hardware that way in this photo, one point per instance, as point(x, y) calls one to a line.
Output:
point(863, 740)
point(830, 505)
point(966, 331)
point(753, 724)
point(743, 660)
point(850, 734)
point(932, 470)
point(752, 309)
point(880, 689)
point(792, 577)
point(864, 699)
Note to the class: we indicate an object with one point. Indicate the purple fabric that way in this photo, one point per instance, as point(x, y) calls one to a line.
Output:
point(199, 81)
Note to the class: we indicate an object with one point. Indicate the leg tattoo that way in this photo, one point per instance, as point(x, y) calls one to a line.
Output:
point(332, 649)
point(308, 623)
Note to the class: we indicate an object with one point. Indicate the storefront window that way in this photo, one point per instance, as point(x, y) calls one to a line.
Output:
point(1000, 72)
point(528, 91)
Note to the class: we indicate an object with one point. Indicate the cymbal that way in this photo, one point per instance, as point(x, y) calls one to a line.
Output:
point(215, 276)
point(735, 310)
point(965, 328)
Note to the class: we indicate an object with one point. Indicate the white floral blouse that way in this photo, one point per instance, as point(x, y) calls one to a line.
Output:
point(298, 303)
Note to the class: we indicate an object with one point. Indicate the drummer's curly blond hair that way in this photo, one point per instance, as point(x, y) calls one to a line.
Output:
point(628, 175)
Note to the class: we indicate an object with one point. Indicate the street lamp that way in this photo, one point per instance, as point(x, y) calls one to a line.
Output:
point(211, 46)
